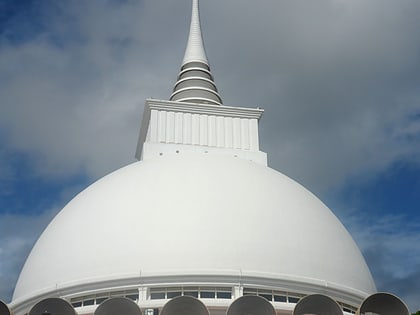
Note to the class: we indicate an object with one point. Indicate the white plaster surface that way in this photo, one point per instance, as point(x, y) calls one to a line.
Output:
point(195, 47)
point(186, 213)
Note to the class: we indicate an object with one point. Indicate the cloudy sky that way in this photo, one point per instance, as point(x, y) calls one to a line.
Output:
point(339, 81)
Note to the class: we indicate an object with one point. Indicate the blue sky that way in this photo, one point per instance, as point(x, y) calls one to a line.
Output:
point(339, 81)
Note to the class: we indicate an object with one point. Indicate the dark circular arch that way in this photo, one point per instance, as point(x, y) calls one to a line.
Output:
point(53, 306)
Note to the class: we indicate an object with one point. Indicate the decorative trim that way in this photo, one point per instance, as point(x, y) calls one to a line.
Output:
point(204, 109)
point(194, 78)
point(232, 278)
point(192, 88)
point(195, 69)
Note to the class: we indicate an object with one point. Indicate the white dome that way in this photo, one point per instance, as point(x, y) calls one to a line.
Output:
point(187, 213)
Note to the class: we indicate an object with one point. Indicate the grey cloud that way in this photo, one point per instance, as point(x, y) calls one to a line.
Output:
point(337, 79)
point(78, 107)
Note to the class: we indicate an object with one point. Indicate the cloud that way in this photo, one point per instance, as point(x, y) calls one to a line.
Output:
point(7, 174)
point(389, 244)
point(72, 94)
point(338, 81)
point(17, 236)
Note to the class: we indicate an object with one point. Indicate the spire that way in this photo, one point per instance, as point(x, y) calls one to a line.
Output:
point(195, 47)
point(195, 83)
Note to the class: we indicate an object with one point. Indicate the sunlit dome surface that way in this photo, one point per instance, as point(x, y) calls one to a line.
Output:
point(196, 212)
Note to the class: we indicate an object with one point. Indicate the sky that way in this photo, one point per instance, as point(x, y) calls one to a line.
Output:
point(339, 81)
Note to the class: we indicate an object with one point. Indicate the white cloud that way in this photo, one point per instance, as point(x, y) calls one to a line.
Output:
point(17, 236)
point(7, 174)
point(395, 235)
point(389, 243)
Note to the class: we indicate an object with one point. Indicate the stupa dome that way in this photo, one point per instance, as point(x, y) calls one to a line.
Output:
point(200, 225)
point(194, 214)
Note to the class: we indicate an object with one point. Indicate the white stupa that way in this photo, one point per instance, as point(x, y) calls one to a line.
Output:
point(201, 214)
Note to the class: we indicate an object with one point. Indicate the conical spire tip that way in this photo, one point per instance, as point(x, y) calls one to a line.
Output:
point(195, 47)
